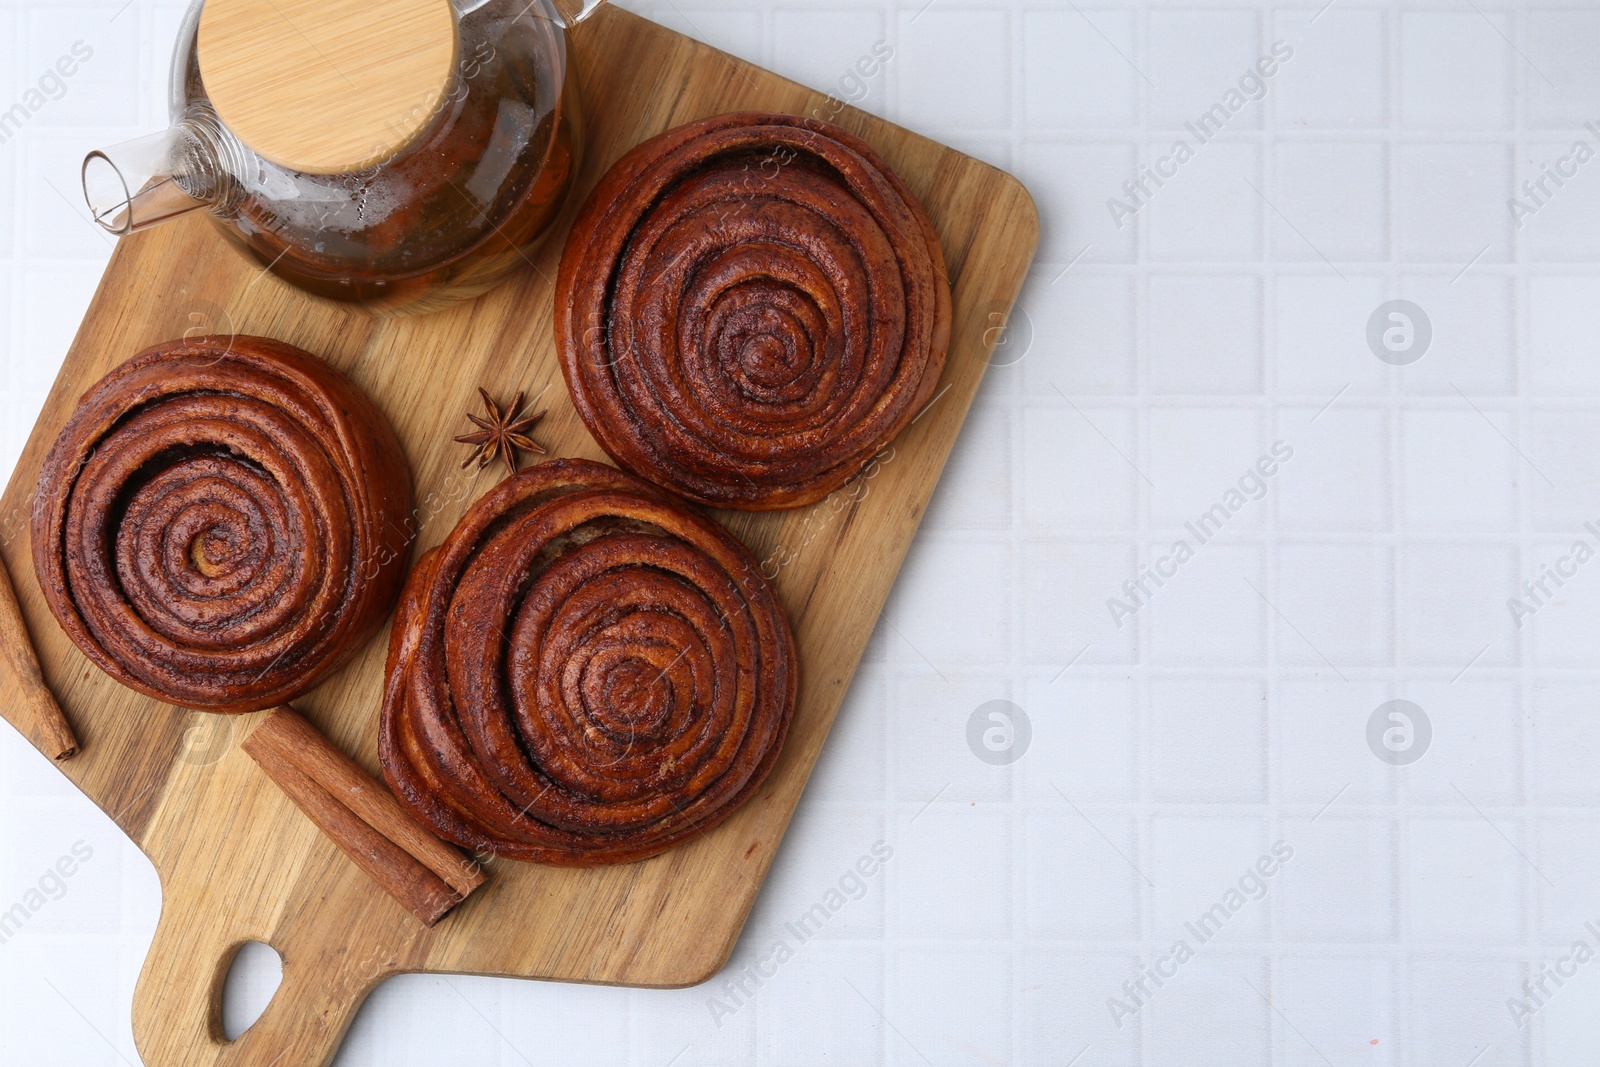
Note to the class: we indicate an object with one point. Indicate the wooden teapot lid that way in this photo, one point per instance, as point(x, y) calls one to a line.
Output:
point(327, 86)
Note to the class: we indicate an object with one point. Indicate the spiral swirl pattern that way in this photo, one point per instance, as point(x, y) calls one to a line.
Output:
point(585, 672)
point(749, 308)
point(221, 523)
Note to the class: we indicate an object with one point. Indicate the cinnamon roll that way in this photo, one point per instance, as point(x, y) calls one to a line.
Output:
point(222, 522)
point(585, 672)
point(749, 308)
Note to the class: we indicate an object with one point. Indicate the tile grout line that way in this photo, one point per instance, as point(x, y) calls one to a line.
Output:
point(1398, 837)
point(1533, 894)
point(1268, 423)
point(1019, 858)
point(1144, 826)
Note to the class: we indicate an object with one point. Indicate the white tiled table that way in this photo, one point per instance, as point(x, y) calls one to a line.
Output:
point(1156, 363)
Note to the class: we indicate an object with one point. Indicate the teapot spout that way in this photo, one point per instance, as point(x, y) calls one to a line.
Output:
point(153, 179)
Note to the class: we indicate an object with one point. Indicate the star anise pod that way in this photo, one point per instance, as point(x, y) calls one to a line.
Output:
point(501, 434)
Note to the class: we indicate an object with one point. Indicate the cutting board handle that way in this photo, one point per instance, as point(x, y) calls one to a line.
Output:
point(178, 1013)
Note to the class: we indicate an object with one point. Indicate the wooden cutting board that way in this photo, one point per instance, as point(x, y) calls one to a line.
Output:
point(238, 861)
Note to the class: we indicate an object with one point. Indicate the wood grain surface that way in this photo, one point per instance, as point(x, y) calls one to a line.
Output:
point(238, 861)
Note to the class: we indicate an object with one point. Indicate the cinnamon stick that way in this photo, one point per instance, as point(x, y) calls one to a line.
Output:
point(17, 656)
point(427, 876)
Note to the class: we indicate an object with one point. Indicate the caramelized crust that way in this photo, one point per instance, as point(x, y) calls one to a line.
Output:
point(585, 672)
point(749, 308)
point(222, 522)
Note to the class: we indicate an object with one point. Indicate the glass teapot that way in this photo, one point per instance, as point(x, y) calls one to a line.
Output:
point(404, 156)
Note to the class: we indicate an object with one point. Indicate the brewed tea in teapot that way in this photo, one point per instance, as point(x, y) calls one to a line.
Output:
point(402, 155)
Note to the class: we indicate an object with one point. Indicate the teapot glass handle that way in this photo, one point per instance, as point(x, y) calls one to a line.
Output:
point(575, 11)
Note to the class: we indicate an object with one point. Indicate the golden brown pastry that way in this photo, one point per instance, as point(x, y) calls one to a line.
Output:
point(585, 672)
point(749, 308)
point(222, 522)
